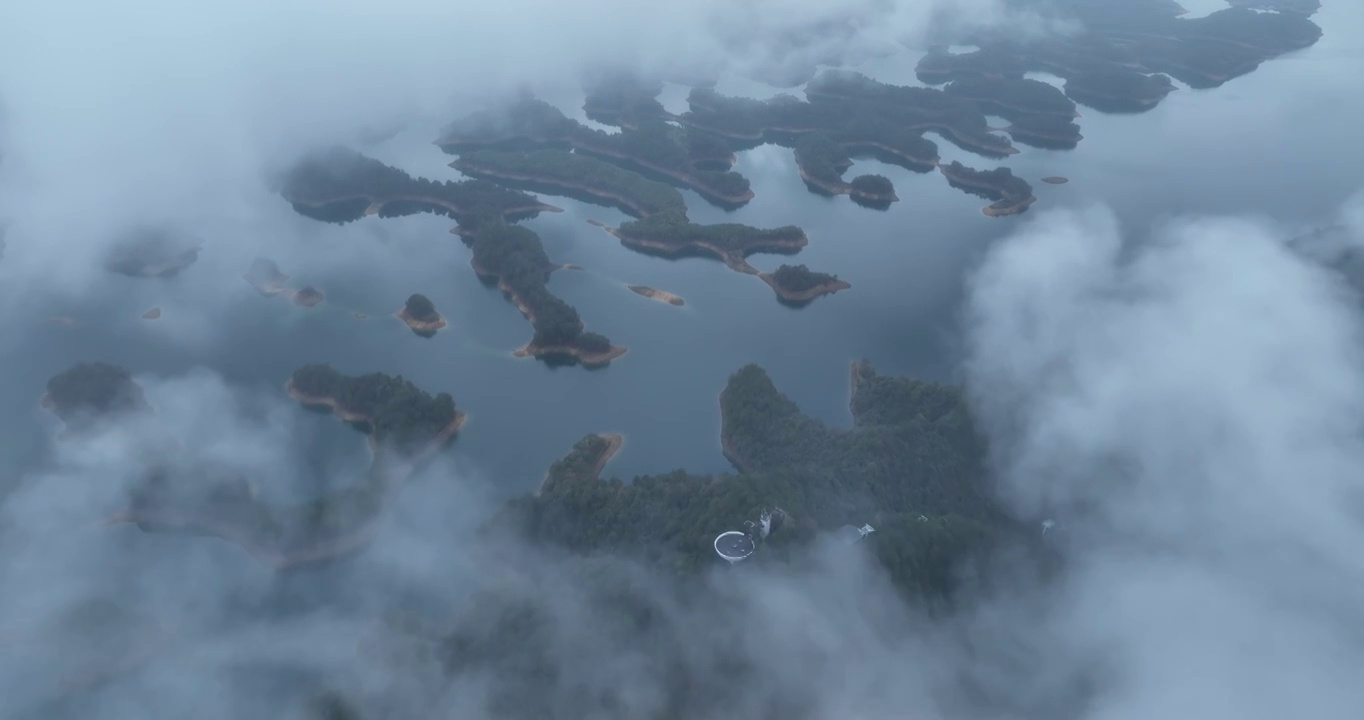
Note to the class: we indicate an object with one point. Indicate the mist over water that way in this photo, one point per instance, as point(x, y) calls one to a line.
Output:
point(1102, 329)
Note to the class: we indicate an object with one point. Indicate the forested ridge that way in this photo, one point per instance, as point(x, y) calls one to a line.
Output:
point(401, 415)
point(912, 464)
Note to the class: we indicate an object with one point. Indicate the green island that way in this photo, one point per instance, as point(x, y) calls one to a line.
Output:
point(152, 252)
point(88, 393)
point(514, 259)
point(1119, 61)
point(405, 426)
point(511, 255)
point(671, 234)
point(661, 226)
point(419, 313)
point(1011, 194)
point(340, 185)
point(912, 465)
point(798, 285)
point(623, 100)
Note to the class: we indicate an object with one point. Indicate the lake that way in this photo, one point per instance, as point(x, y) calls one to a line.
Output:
point(1269, 144)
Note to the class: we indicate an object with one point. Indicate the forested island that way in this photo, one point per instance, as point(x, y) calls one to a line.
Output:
point(822, 161)
point(152, 252)
point(90, 392)
point(405, 426)
point(419, 313)
point(1011, 195)
point(339, 185)
point(673, 235)
point(912, 464)
point(1120, 61)
point(798, 285)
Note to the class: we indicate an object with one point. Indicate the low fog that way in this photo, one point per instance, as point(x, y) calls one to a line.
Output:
point(1186, 404)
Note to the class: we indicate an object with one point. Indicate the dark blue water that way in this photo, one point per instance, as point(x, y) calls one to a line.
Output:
point(1272, 144)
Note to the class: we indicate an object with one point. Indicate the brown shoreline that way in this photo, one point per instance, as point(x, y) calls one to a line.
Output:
point(998, 208)
point(588, 359)
point(656, 294)
point(470, 168)
point(827, 288)
point(421, 326)
point(614, 442)
point(735, 261)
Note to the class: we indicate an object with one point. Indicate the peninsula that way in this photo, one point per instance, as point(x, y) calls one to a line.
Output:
point(581, 177)
point(1011, 194)
point(340, 185)
point(513, 258)
point(822, 160)
point(798, 285)
point(420, 314)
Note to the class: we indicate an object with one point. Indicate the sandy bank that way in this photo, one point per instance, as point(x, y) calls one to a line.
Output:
point(420, 326)
point(656, 294)
point(800, 296)
point(1055, 180)
point(588, 359)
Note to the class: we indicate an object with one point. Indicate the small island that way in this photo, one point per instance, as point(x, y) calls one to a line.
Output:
point(152, 314)
point(656, 294)
point(152, 253)
point(308, 296)
point(798, 285)
point(1011, 194)
point(1055, 180)
point(420, 314)
point(88, 393)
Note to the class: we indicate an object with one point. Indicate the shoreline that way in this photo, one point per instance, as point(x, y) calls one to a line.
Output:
point(733, 260)
point(420, 326)
point(726, 445)
point(656, 294)
point(802, 296)
point(998, 208)
point(614, 442)
point(687, 180)
point(613, 199)
point(588, 359)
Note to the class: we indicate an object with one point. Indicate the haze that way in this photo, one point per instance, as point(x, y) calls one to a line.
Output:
point(1187, 393)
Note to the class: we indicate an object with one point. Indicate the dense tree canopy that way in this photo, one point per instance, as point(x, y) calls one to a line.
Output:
point(88, 391)
point(401, 415)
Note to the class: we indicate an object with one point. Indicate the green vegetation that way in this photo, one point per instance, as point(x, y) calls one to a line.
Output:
point(526, 122)
point(822, 160)
point(1013, 97)
point(338, 185)
point(516, 257)
point(1045, 131)
point(872, 186)
point(798, 278)
point(1119, 91)
point(912, 452)
point(624, 101)
point(401, 415)
point(91, 391)
point(733, 241)
point(999, 184)
point(565, 172)
point(420, 307)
